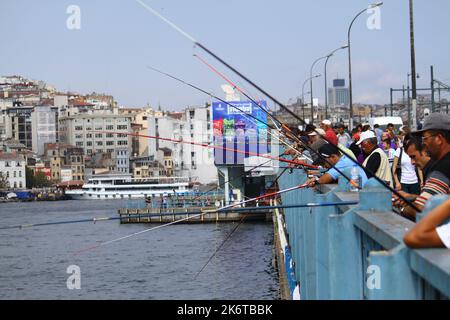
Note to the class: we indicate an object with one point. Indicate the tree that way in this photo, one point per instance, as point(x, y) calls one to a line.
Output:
point(29, 178)
point(38, 180)
point(41, 181)
point(4, 183)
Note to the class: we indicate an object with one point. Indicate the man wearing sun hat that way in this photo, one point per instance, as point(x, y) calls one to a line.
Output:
point(376, 161)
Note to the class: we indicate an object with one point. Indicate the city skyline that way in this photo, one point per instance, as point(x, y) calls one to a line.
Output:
point(115, 43)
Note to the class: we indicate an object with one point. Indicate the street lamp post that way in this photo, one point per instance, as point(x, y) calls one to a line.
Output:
point(310, 85)
point(325, 75)
point(350, 61)
point(303, 96)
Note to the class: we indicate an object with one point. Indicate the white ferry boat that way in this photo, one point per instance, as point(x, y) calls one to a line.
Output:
point(123, 186)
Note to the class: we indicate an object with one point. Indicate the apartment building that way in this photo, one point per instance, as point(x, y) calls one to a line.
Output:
point(96, 133)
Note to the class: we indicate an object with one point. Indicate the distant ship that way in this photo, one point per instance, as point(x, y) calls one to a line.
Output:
point(123, 186)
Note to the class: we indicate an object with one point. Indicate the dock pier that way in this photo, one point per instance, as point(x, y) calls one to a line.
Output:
point(191, 214)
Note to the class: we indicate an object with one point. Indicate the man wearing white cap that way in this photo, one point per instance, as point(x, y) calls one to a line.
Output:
point(330, 135)
point(376, 160)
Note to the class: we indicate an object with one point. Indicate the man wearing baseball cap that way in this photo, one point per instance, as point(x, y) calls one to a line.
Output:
point(340, 161)
point(435, 135)
point(376, 161)
point(330, 135)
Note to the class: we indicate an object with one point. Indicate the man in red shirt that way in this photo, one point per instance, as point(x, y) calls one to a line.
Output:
point(330, 135)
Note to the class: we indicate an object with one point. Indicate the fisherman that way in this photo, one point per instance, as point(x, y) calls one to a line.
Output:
point(376, 161)
point(343, 137)
point(316, 141)
point(334, 158)
point(329, 132)
point(435, 136)
point(419, 157)
point(148, 201)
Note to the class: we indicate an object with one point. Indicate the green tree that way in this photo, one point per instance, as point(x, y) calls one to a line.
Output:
point(36, 181)
point(41, 181)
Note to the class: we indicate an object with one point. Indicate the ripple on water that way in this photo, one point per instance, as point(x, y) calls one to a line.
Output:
point(153, 265)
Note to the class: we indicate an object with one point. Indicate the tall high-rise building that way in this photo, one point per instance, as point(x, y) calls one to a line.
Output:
point(338, 95)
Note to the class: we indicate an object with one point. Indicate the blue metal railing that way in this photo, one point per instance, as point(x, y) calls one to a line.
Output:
point(357, 252)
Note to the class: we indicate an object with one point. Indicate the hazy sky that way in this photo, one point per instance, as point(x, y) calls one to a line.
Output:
point(272, 42)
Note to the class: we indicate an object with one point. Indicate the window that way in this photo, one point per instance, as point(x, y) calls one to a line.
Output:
point(14, 174)
point(122, 143)
point(78, 128)
point(109, 143)
point(110, 135)
point(79, 144)
point(110, 127)
point(20, 176)
point(89, 143)
point(99, 143)
point(99, 135)
point(88, 135)
point(20, 185)
point(122, 127)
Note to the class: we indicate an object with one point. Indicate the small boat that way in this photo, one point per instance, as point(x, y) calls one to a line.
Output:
point(11, 195)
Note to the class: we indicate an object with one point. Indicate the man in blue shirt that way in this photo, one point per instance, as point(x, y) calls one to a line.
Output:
point(341, 162)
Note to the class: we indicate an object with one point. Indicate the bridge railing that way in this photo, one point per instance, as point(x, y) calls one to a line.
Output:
point(357, 252)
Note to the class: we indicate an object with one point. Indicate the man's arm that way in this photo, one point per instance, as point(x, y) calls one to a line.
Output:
point(324, 179)
point(424, 234)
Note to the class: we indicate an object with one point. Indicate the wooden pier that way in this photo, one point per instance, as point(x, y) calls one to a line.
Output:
point(192, 215)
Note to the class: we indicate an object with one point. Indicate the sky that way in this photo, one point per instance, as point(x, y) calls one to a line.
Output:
point(274, 43)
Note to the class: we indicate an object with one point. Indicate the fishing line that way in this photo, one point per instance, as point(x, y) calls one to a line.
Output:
point(190, 217)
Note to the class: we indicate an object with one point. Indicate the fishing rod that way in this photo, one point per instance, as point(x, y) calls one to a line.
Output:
point(196, 43)
point(226, 102)
point(203, 212)
point(211, 147)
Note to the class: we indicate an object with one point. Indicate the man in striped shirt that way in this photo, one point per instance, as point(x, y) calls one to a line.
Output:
point(436, 140)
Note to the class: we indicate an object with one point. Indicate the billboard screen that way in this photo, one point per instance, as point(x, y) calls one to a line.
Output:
point(234, 130)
